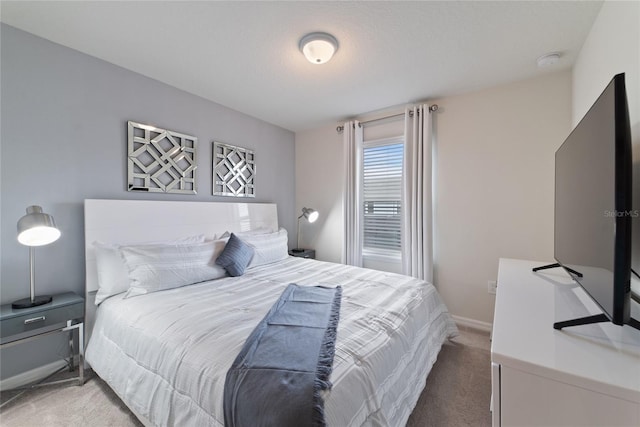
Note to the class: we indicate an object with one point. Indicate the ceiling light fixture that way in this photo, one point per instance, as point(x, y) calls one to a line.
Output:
point(548, 60)
point(318, 48)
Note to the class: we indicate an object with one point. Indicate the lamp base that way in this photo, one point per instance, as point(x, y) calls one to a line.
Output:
point(298, 250)
point(26, 302)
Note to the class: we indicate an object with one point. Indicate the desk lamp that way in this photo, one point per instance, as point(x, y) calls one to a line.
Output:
point(36, 228)
point(310, 215)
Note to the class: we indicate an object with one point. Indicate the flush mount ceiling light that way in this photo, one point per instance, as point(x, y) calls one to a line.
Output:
point(548, 60)
point(318, 48)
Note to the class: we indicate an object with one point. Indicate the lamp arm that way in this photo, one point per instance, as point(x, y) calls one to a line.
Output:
point(298, 235)
point(32, 272)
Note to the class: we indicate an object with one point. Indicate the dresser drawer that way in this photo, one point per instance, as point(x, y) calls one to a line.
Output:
point(12, 328)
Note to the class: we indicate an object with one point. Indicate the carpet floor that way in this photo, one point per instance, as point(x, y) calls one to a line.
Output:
point(457, 393)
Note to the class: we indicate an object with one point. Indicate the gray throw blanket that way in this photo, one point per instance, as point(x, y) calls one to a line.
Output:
point(279, 375)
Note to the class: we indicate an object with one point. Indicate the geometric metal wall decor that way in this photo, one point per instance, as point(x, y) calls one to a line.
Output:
point(234, 171)
point(161, 161)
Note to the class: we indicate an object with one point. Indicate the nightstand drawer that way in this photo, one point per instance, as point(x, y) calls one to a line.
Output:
point(12, 328)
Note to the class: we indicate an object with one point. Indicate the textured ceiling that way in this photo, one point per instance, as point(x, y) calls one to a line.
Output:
point(244, 55)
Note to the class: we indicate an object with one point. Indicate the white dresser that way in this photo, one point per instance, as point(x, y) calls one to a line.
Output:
point(579, 376)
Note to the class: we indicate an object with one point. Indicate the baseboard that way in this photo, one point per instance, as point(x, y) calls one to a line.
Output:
point(472, 323)
point(33, 375)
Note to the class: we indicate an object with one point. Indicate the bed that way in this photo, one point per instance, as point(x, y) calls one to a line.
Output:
point(165, 354)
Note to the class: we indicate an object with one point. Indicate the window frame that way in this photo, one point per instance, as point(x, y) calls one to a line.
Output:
point(386, 255)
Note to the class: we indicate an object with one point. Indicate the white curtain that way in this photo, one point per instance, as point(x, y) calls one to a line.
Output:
point(417, 224)
point(352, 137)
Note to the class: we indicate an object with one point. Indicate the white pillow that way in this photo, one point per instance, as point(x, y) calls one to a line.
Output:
point(261, 230)
point(113, 275)
point(159, 267)
point(268, 247)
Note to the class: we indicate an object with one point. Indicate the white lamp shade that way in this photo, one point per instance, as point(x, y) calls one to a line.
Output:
point(39, 236)
point(318, 48)
point(310, 214)
point(37, 228)
point(313, 216)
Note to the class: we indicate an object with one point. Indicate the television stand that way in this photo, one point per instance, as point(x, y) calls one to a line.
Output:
point(556, 265)
point(598, 318)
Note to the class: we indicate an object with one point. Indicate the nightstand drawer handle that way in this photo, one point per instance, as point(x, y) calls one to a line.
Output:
point(34, 320)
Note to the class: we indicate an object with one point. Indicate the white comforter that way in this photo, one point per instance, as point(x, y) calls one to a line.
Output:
point(166, 354)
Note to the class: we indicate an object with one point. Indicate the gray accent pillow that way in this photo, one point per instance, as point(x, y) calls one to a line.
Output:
point(236, 256)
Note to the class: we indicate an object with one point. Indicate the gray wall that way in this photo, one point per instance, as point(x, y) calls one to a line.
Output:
point(64, 117)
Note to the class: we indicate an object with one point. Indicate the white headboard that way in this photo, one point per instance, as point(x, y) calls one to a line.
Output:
point(132, 221)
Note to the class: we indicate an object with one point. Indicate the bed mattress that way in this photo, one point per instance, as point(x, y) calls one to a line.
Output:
point(166, 354)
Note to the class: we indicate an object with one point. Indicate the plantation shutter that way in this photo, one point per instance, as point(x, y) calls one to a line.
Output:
point(382, 197)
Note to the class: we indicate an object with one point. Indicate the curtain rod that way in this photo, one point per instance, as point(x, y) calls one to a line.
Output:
point(432, 108)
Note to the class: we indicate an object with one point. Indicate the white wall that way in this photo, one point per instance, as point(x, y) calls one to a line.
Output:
point(319, 183)
point(612, 47)
point(494, 184)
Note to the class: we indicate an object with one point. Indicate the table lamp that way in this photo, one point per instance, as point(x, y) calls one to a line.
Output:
point(36, 228)
point(310, 215)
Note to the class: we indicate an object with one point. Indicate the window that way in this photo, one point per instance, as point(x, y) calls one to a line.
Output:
point(387, 182)
point(382, 197)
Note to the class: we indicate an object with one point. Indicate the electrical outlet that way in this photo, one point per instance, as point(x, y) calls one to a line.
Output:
point(492, 285)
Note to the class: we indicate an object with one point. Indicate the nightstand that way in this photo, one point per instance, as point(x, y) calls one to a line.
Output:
point(65, 313)
point(303, 253)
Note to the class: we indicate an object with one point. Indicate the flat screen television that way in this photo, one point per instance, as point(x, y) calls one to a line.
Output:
point(593, 207)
